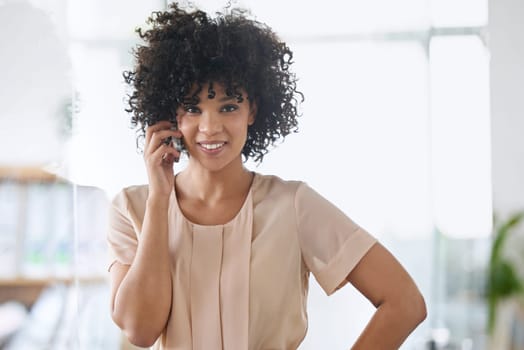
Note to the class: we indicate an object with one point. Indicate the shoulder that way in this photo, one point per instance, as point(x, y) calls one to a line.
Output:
point(128, 206)
point(131, 196)
point(272, 187)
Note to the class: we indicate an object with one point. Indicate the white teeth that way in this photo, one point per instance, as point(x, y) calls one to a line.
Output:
point(211, 145)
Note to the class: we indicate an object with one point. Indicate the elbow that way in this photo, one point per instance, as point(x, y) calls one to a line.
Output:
point(410, 308)
point(140, 340)
point(136, 332)
point(424, 311)
point(417, 308)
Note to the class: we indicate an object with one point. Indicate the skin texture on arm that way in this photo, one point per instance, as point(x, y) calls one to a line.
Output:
point(141, 293)
point(400, 305)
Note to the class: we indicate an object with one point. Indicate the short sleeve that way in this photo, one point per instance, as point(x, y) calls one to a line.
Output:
point(331, 243)
point(121, 237)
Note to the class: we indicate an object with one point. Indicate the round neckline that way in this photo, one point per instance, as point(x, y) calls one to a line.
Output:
point(247, 200)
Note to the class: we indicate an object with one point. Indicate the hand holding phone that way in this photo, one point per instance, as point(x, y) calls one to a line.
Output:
point(160, 152)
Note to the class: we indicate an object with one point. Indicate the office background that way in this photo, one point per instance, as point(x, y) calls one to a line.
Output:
point(411, 125)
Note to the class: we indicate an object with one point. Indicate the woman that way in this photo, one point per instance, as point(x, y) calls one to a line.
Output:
point(215, 256)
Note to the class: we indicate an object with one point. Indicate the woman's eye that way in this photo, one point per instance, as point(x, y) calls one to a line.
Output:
point(191, 109)
point(229, 108)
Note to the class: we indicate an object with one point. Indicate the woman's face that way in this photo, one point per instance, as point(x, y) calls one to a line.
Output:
point(215, 129)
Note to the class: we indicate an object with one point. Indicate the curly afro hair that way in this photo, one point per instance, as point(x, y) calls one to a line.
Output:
point(184, 49)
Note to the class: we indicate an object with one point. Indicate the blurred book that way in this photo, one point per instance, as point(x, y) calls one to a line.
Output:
point(11, 196)
point(37, 231)
point(42, 323)
point(12, 317)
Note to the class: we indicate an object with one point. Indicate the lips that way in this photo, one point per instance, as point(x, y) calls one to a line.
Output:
point(212, 146)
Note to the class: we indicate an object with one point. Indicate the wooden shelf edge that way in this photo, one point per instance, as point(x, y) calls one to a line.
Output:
point(27, 174)
point(30, 282)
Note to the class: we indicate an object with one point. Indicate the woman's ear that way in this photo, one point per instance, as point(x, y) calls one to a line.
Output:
point(252, 113)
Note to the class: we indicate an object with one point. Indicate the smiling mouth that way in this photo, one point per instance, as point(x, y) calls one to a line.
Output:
point(212, 146)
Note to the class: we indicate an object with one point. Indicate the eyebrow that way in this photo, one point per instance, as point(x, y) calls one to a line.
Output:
point(222, 99)
point(227, 98)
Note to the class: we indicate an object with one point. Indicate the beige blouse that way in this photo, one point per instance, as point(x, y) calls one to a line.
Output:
point(243, 285)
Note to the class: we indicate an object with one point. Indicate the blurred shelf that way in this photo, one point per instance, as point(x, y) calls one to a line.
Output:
point(27, 290)
point(27, 174)
point(34, 282)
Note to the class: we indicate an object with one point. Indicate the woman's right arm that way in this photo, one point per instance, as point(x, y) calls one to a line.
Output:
point(141, 293)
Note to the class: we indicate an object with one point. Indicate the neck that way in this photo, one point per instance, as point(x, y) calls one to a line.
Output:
point(213, 186)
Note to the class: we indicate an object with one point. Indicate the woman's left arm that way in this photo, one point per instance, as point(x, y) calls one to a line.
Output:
point(400, 305)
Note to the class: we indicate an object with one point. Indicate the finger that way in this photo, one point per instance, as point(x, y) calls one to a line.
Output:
point(162, 137)
point(169, 159)
point(160, 154)
point(151, 130)
point(164, 124)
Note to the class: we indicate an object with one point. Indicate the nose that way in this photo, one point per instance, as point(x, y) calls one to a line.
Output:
point(210, 123)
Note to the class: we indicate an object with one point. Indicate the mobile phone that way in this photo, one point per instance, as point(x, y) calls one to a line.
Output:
point(175, 142)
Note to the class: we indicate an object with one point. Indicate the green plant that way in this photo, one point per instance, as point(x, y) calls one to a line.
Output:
point(503, 281)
